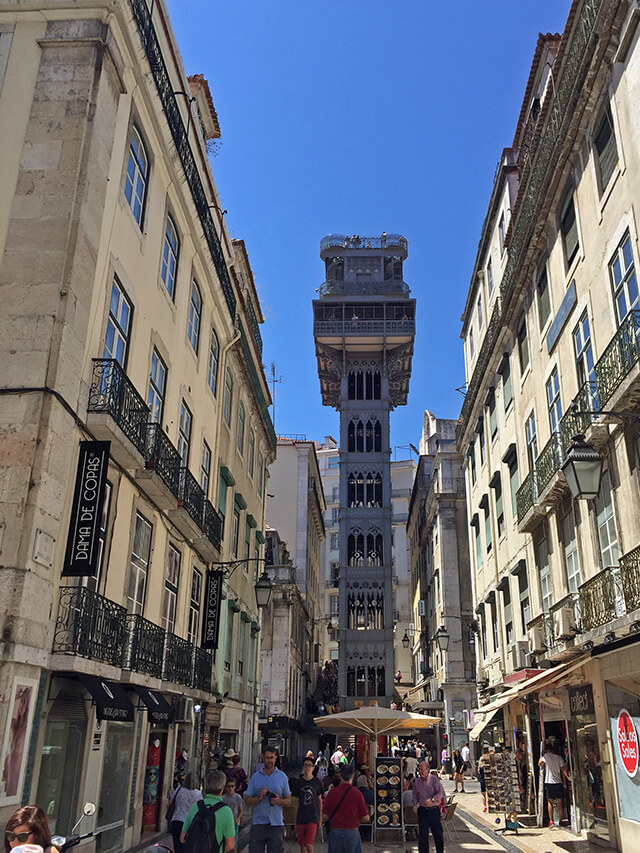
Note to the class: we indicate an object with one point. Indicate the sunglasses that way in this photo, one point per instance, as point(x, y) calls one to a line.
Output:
point(21, 836)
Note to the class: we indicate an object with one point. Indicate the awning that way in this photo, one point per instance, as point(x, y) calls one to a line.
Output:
point(489, 712)
point(418, 686)
point(158, 708)
point(112, 702)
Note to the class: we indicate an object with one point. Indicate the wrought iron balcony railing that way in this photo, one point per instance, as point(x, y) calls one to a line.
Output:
point(253, 323)
point(90, 626)
point(191, 496)
point(384, 287)
point(601, 598)
point(619, 357)
point(202, 664)
point(113, 392)
point(163, 458)
point(212, 525)
point(178, 660)
point(257, 387)
point(364, 327)
point(145, 646)
point(549, 461)
point(630, 574)
point(343, 241)
point(526, 496)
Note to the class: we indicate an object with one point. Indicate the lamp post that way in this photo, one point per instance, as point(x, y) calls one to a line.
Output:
point(583, 469)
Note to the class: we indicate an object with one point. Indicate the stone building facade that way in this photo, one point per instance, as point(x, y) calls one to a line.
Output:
point(129, 317)
point(364, 324)
point(550, 332)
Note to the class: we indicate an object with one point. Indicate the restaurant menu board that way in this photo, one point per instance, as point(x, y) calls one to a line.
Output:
point(388, 814)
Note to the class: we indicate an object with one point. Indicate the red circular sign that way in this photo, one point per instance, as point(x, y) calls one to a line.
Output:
point(627, 743)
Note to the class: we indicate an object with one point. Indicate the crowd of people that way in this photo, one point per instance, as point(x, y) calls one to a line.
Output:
point(326, 698)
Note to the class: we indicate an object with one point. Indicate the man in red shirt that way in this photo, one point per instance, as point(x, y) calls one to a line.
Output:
point(344, 810)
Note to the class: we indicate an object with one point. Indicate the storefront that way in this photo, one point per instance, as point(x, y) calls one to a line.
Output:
point(588, 782)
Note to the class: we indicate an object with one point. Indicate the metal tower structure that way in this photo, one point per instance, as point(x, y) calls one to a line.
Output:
point(364, 325)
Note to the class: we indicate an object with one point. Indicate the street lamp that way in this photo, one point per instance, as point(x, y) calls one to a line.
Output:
point(583, 469)
point(264, 590)
point(406, 641)
point(442, 638)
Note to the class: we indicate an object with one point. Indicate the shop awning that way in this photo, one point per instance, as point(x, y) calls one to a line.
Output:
point(417, 686)
point(489, 712)
point(112, 702)
point(158, 708)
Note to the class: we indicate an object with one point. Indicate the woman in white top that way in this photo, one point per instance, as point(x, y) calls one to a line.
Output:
point(184, 797)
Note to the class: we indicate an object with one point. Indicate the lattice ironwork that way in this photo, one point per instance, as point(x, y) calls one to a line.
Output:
point(89, 625)
point(178, 660)
point(163, 458)
point(342, 241)
point(619, 357)
point(526, 496)
point(601, 598)
point(364, 327)
point(549, 461)
point(253, 323)
point(630, 575)
point(145, 646)
point(388, 287)
point(191, 496)
point(113, 392)
point(202, 664)
point(212, 525)
point(257, 388)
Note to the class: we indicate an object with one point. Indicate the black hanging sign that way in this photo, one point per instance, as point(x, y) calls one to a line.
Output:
point(212, 603)
point(83, 540)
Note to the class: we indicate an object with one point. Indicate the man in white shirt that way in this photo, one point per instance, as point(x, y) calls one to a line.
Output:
point(338, 757)
point(465, 755)
point(555, 767)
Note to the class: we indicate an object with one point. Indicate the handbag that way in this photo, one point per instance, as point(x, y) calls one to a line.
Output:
point(172, 805)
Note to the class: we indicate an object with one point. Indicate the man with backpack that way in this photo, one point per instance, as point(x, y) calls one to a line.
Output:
point(267, 792)
point(209, 826)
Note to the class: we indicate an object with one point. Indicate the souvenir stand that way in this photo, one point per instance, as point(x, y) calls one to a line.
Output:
point(503, 786)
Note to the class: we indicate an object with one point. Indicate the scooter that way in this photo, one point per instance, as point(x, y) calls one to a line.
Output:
point(63, 843)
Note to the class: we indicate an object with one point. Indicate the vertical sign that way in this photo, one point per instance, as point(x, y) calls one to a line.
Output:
point(83, 540)
point(212, 601)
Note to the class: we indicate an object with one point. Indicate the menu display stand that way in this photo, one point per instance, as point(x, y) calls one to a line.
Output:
point(387, 816)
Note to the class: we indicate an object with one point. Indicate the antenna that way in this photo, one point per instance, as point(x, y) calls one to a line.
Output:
point(274, 381)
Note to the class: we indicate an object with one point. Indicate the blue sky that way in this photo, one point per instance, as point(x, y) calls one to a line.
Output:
point(362, 116)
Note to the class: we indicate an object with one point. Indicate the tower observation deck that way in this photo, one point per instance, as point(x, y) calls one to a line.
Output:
point(364, 326)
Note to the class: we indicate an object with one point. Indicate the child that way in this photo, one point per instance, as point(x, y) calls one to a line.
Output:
point(234, 801)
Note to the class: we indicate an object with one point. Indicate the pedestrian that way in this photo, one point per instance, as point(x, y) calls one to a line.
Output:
point(338, 757)
point(267, 792)
point(344, 810)
point(28, 825)
point(465, 752)
point(444, 757)
point(209, 822)
point(232, 798)
point(428, 796)
point(458, 770)
point(482, 763)
point(364, 779)
point(308, 789)
point(321, 765)
point(410, 765)
point(237, 773)
point(184, 796)
point(555, 768)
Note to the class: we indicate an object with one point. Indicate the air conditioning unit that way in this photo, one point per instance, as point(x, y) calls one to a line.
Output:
point(536, 639)
point(184, 710)
point(564, 623)
point(517, 655)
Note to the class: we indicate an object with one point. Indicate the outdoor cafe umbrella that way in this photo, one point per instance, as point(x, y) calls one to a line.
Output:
point(373, 721)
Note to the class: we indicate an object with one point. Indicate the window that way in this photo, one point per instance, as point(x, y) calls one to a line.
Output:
point(170, 252)
point(541, 551)
point(570, 547)
point(502, 233)
point(241, 420)
point(606, 523)
point(604, 141)
point(514, 483)
point(472, 346)
point(495, 624)
point(507, 613)
point(93, 582)
point(480, 312)
point(472, 463)
point(193, 629)
point(139, 566)
point(336, 494)
point(523, 592)
point(252, 452)
point(261, 473)
point(583, 352)
point(483, 633)
point(487, 523)
point(236, 533)
point(222, 496)
point(493, 416)
point(242, 630)
point(205, 468)
point(171, 580)
point(335, 517)
point(490, 276)
point(554, 404)
point(523, 345)
point(212, 367)
point(116, 342)
point(544, 298)
point(475, 523)
point(157, 385)
point(507, 385)
point(334, 569)
point(333, 607)
point(496, 485)
point(135, 186)
point(569, 229)
point(247, 546)
point(184, 434)
point(623, 279)
point(227, 400)
point(481, 444)
point(195, 313)
point(532, 439)
point(335, 541)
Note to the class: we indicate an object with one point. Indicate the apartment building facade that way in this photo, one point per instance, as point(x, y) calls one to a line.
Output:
point(135, 432)
point(551, 351)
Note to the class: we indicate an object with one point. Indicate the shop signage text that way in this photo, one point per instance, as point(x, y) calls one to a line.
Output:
point(581, 701)
point(627, 743)
point(83, 540)
point(212, 601)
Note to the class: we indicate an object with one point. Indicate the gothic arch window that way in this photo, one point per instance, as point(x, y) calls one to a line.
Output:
point(355, 548)
point(351, 680)
point(377, 491)
point(374, 548)
point(355, 436)
point(351, 490)
point(381, 680)
point(360, 681)
point(377, 437)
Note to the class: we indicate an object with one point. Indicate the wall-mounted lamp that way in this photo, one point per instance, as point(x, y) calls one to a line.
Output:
point(583, 469)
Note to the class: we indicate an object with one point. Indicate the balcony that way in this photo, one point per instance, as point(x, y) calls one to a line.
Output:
point(617, 382)
point(202, 665)
point(160, 477)
point(364, 328)
point(529, 511)
point(189, 515)
point(385, 287)
point(209, 541)
point(117, 413)
point(178, 660)
point(384, 241)
point(602, 599)
point(89, 625)
point(630, 573)
point(145, 646)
